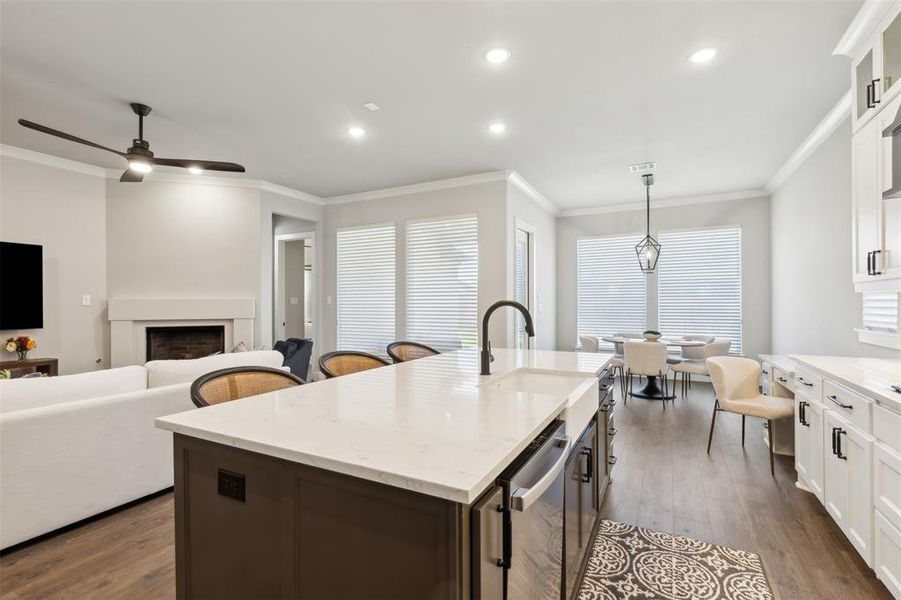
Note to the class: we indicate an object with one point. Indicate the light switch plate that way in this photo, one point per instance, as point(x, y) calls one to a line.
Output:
point(293, 300)
point(86, 300)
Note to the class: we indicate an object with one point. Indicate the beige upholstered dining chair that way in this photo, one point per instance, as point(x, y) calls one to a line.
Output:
point(588, 343)
point(698, 366)
point(345, 362)
point(648, 359)
point(406, 351)
point(233, 383)
point(735, 382)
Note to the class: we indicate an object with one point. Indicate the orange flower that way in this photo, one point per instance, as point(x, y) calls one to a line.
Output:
point(31, 344)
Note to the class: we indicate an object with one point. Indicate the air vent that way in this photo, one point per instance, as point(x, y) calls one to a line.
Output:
point(638, 168)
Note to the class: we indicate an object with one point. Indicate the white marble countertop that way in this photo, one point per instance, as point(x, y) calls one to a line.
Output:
point(872, 377)
point(431, 425)
point(780, 361)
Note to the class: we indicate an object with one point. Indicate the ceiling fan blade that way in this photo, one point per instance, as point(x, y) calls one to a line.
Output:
point(206, 165)
point(131, 176)
point(66, 136)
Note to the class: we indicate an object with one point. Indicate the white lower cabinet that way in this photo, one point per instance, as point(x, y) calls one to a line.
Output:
point(888, 555)
point(809, 443)
point(848, 481)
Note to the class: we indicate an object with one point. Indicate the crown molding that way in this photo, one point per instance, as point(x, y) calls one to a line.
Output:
point(51, 161)
point(417, 188)
point(526, 188)
point(667, 203)
point(825, 128)
point(862, 26)
point(156, 176)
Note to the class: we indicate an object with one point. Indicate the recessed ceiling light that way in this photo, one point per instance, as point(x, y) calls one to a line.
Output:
point(195, 170)
point(497, 56)
point(497, 128)
point(140, 166)
point(356, 132)
point(372, 106)
point(703, 55)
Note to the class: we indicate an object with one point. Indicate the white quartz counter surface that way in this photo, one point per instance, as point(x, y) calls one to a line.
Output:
point(872, 377)
point(431, 425)
point(780, 361)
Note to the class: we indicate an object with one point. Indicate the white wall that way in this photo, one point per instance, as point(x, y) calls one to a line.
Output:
point(488, 200)
point(544, 311)
point(815, 308)
point(753, 215)
point(65, 212)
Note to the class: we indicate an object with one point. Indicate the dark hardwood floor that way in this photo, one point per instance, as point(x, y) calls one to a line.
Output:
point(664, 480)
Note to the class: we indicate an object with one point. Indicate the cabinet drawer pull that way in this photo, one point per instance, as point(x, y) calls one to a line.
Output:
point(834, 433)
point(835, 400)
point(838, 444)
point(869, 263)
point(782, 379)
point(764, 371)
point(801, 379)
point(611, 431)
point(802, 414)
point(870, 96)
point(875, 101)
point(612, 460)
point(586, 476)
point(876, 270)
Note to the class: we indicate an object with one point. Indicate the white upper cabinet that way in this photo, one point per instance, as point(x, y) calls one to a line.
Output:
point(866, 198)
point(876, 69)
point(889, 236)
point(891, 57)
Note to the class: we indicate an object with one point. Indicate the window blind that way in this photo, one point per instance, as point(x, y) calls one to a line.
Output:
point(442, 279)
point(521, 267)
point(611, 294)
point(366, 288)
point(880, 311)
point(699, 284)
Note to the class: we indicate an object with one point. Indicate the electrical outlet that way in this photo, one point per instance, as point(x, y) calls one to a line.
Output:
point(231, 485)
point(86, 300)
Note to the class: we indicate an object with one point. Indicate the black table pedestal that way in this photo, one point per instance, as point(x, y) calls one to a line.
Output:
point(652, 391)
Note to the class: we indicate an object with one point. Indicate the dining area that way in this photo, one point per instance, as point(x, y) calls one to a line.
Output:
point(652, 358)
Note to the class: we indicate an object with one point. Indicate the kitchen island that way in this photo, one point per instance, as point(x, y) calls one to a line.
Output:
point(364, 486)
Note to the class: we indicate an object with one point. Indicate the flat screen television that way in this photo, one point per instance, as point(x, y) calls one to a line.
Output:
point(21, 286)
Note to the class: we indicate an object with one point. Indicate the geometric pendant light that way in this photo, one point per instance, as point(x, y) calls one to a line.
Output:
point(648, 249)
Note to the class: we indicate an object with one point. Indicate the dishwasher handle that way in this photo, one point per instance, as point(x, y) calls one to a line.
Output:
point(524, 497)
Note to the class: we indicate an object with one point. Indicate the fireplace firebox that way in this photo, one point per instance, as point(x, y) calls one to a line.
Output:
point(179, 343)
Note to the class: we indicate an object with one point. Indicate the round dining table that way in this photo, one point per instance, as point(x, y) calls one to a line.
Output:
point(651, 390)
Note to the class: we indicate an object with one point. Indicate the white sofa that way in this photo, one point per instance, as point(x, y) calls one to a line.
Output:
point(76, 445)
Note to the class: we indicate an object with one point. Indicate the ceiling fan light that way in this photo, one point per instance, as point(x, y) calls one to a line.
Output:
point(141, 166)
point(193, 170)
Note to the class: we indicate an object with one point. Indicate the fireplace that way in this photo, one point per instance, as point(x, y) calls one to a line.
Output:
point(190, 341)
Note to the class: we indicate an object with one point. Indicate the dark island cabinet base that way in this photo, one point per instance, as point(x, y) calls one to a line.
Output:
point(308, 533)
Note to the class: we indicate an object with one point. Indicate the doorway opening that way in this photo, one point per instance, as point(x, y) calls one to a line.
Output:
point(295, 309)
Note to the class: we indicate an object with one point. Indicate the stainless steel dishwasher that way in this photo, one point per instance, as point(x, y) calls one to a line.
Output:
point(518, 525)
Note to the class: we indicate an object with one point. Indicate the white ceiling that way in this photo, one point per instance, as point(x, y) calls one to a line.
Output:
point(590, 89)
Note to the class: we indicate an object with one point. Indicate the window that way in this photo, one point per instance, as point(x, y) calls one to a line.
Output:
point(522, 282)
point(880, 311)
point(699, 284)
point(442, 282)
point(365, 298)
point(611, 289)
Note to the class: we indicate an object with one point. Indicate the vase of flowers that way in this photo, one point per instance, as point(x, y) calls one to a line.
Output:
point(21, 345)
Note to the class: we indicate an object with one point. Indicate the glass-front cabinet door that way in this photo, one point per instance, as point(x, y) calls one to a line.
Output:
point(863, 85)
point(891, 56)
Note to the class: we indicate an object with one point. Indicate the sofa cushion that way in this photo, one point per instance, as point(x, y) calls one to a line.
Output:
point(19, 394)
point(170, 372)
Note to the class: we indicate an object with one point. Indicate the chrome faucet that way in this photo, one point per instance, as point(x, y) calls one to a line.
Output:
point(486, 357)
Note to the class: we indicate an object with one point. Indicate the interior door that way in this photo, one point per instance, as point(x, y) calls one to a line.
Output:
point(866, 196)
point(835, 479)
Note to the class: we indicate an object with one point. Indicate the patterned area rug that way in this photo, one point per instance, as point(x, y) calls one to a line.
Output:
point(631, 562)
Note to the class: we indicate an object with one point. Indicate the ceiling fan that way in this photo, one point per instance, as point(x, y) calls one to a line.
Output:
point(140, 158)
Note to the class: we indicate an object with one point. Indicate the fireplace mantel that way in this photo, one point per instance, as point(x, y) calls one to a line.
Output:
point(130, 317)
